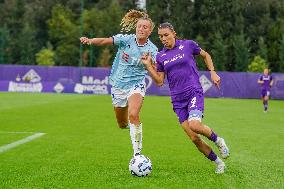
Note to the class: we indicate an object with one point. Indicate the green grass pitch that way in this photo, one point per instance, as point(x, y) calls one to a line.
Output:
point(84, 148)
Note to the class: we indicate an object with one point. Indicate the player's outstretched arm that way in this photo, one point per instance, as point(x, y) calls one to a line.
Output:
point(271, 83)
point(158, 77)
point(97, 41)
point(260, 81)
point(209, 63)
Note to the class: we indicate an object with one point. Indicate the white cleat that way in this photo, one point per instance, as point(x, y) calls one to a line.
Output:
point(220, 169)
point(224, 150)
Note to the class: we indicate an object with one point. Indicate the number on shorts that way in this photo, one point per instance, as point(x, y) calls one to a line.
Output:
point(141, 86)
point(193, 102)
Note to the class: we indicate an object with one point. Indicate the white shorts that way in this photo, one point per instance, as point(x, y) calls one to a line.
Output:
point(120, 96)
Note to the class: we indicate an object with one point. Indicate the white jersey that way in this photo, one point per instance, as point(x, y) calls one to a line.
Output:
point(127, 69)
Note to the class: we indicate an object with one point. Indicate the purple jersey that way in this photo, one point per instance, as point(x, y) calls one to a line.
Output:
point(179, 65)
point(266, 81)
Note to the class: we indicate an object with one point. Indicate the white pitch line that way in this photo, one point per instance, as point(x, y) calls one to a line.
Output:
point(20, 132)
point(19, 142)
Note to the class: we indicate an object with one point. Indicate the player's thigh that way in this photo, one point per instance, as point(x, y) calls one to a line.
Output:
point(135, 102)
point(263, 94)
point(135, 98)
point(267, 95)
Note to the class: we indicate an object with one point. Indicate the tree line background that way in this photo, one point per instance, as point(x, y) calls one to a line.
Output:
point(240, 35)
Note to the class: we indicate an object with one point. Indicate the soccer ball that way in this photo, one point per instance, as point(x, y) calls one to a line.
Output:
point(140, 166)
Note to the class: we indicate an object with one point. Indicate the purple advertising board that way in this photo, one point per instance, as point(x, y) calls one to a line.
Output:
point(95, 81)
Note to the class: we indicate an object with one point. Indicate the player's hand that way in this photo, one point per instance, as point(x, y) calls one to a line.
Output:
point(215, 78)
point(146, 59)
point(85, 40)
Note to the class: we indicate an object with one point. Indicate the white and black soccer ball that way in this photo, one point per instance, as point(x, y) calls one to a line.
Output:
point(140, 166)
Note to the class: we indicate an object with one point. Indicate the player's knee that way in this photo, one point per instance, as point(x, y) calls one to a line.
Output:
point(195, 126)
point(133, 116)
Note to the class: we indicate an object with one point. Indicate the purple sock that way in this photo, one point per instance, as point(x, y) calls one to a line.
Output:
point(213, 137)
point(212, 156)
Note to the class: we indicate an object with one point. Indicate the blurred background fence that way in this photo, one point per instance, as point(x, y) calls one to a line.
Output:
point(95, 81)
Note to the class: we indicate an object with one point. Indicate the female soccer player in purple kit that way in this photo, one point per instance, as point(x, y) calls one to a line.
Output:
point(266, 82)
point(176, 61)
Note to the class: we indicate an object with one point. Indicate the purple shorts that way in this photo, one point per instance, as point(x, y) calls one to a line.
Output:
point(265, 92)
point(193, 106)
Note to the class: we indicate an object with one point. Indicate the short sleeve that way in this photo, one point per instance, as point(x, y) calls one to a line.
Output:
point(120, 39)
point(195, 47)
point(271, 78)
point(261, 78)
point(160, 65)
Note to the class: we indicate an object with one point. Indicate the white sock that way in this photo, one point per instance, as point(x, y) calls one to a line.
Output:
point(136, 137)
point(140, 138)
point(217, 141)
point(218, 161)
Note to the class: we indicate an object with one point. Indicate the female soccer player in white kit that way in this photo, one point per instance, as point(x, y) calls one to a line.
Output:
point(128, 73)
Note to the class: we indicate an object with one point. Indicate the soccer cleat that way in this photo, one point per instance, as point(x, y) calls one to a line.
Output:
point(220, 169)
point(224, 150)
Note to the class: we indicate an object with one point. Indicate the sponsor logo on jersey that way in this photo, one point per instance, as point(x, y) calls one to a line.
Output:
point(176, 57)
point(180, 47)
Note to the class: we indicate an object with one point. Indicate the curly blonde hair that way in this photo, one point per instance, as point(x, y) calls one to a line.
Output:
point(131, 18)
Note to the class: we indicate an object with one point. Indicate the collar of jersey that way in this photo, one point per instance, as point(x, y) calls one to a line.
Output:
point(177, 43)
point(140, 45)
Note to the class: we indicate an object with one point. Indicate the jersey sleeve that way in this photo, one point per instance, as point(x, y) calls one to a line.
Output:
point(120, 39)
point(195, 47)
point(261, 78)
